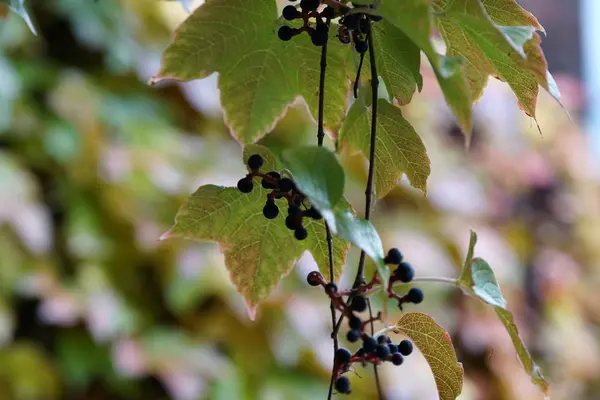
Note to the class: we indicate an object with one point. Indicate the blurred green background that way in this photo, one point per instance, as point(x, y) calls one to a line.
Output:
point(94, 164)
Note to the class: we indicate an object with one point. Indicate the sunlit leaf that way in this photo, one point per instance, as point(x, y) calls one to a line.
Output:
point(258, 251)
point(435, 344)
point(259, 75)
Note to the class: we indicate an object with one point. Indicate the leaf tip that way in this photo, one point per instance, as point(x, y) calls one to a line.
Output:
point(251, 309)
point(167, 235)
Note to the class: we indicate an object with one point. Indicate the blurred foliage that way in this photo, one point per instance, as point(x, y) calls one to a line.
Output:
point(94, 165)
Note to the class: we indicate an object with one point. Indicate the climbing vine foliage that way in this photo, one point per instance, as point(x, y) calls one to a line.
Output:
point(266, 63)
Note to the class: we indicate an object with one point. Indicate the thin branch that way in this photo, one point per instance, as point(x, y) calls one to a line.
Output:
point(377, 381)
point(438, 279)
point(357, 80)
point(321, 130)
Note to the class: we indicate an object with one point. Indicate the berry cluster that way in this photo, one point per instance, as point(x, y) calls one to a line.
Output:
point(373, 350)
point(280, 188)
point(354, 28)
point(309, 9)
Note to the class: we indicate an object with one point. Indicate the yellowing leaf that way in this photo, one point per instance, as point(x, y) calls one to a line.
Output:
point(399, 148)
point(259, 75)
point(509, 13)
point(258, 251)
point(435, 344)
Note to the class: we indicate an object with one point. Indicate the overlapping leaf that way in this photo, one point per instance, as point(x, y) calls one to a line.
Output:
point(435, 344)
point(258, 251)
point(399, 148)
point(259, 75)
point(478, 279)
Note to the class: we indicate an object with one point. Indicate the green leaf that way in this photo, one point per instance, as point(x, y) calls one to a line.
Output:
point(435, 344)
point(318, 174)
point(509, 13)
point(528, 364)
point(413, 17)
point(258, 251)
point(259, 75)
point(399, 148)
point(18, 6)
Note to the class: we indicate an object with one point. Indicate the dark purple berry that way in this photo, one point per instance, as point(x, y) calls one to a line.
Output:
point(382, 339)
point(415, 296)
point(328, 12)
point(342, 356)
point(394, 257)
point(290, 13)
point(404, 273)
point(351, 21)
point(300, 233)
point(382, 351)
point(274, 177)
point(285, 33)
point(360, 352)
point(255, 162)
point(359, 304)
point(245, 185)
point(353, 335)
point(361, 46)
point(309, 5)
point(393, 348)
point(355, 323)
point(342, 385)
point(397, 359)
point(291, 222)
point(286, 185)
point(270, 211)
point(369, 344)
point(314, 278)
point(320, 35)
point(331, 288)
point(405, 347)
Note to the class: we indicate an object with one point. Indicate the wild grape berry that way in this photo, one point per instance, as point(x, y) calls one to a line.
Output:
point(382, 339)
point(404, 273)
point(309, 5)
point(342, 385)
point(314, 278)
point(255, 162)
point(397, 359)
point(363, 25)
point(314, 213)
point(300, 233)
point(360, 352)
point(274, 177)
point(331, 288)
point(351, 21)
point(359, 304)
point(369, 344)
point(328, 12)
point(342, 356)
point(294, 210)
point(415, 296)
point(320, 35)
point(290, 13)
point(405, 347)
point(393, 348)
point(355, 323)
point(353, 335)
point(270, 211)
point(285, 33)
point(245, 185)
point(361, 46)
point(291, 222)
point(286, 185)
point(382, 351)
point(394, 257)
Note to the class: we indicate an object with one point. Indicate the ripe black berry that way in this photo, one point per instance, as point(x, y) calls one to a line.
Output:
point(361, 46)
point(255, 161)
point(331, 288)
point(353, 335)
point(405, 347)
point(309, 5)
point(268, 185)
point(394, 256)
point(342, 385)
point(369, 344)
point(294, 210)
point(363, 25)
point(320, 35)
point(404, 273)
point(285, 33)
point(355, 323)
point(382, 351)
point(328, 12)
point(415, 295)
point(382, 339)
point(342, 356)
point(397, 359)
point(286, 185)
point(314, 213)
point(291, 222)
point(359, 304)
point(270, 211)
point(245, 185)
point(360, 352)
point(314, 278)
point(351, 21)
point(300, 233)
point(393, 348)
point(290, 13)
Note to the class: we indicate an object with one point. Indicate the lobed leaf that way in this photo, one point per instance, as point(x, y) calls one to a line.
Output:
point(436, 346)
point(259, 75)
point(399, 148)
point(258, 251)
